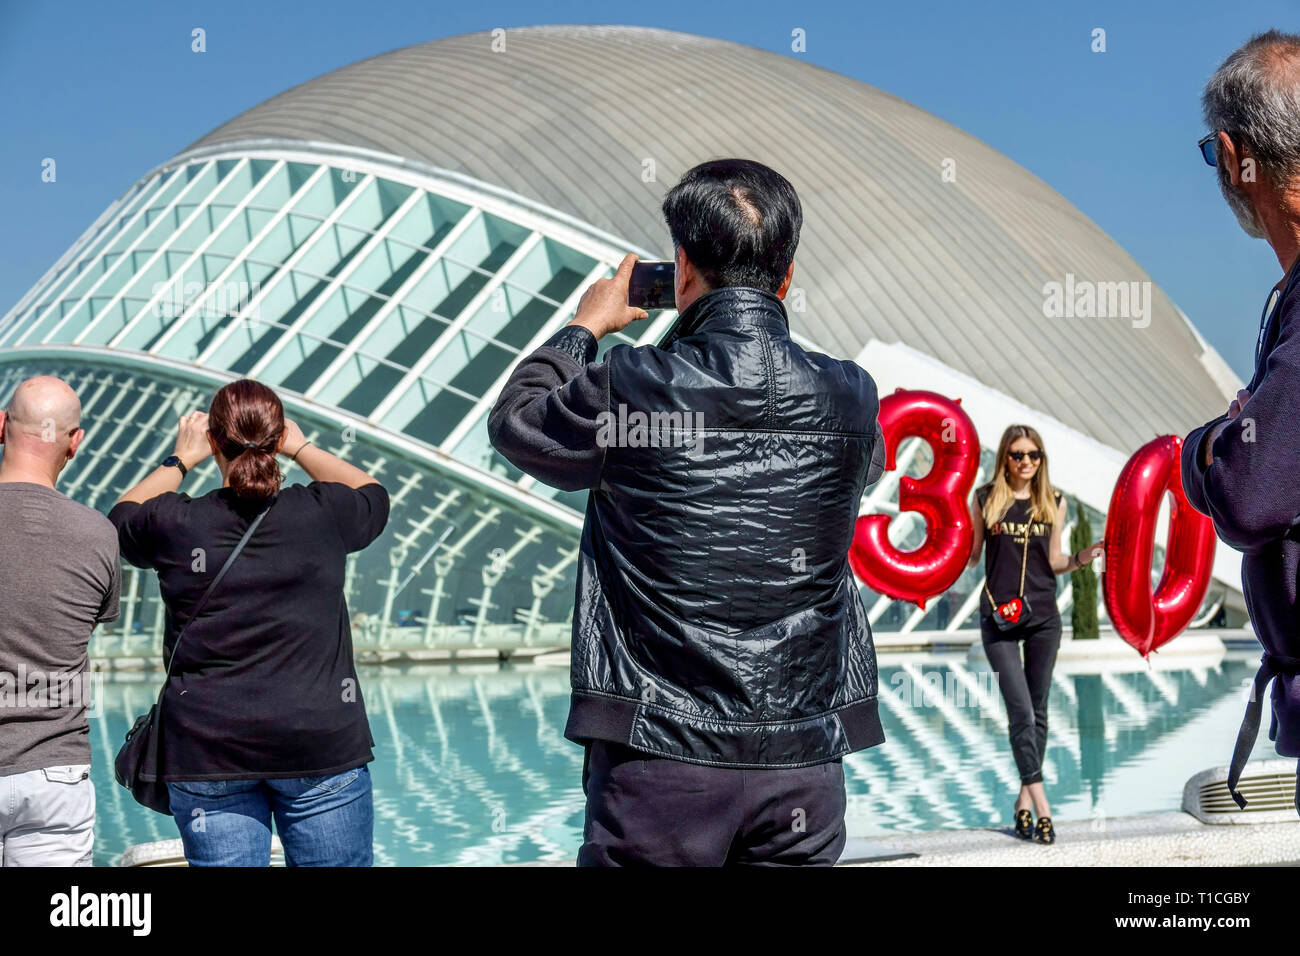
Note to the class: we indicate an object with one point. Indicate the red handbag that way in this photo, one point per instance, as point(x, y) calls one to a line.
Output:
point(1011, 613)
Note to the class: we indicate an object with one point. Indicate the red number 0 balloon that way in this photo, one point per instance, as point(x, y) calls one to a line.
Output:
point(1144, 618)
point(940, 497)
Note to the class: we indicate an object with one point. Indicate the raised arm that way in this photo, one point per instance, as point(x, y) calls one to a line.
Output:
point(548, 417)
point(551, 411)
point(319, 464)
point(191, 448)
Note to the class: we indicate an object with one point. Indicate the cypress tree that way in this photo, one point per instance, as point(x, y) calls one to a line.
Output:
point(1083, 582)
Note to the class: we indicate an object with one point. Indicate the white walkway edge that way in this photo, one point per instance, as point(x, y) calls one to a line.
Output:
point(1153, 839)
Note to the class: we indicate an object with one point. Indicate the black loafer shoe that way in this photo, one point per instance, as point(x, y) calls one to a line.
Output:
point(1024, 824)
point(1043, 832)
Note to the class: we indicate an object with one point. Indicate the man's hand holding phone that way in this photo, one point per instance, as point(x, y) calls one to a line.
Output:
point(603, 307)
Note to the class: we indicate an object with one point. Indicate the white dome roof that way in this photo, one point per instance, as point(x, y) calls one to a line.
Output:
point(570, 116)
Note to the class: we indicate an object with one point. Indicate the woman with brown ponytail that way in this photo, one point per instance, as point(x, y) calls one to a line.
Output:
point(1021, 515)
point(262, 716)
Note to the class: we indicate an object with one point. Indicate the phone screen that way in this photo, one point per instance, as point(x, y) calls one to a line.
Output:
point(651, 286)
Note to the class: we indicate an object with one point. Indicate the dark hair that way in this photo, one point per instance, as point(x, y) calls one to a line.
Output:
point(246, 419)
point(737, 221)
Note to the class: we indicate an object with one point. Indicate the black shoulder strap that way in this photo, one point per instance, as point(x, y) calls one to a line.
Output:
point(198, 606)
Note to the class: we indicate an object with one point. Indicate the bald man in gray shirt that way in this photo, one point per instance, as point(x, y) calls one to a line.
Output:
point(60, 576)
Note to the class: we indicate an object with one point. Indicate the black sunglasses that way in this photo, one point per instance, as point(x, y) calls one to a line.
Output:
point(1019, 455)
point(1206, 145)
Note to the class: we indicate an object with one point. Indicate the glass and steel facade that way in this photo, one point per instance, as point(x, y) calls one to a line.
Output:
point(386, 306)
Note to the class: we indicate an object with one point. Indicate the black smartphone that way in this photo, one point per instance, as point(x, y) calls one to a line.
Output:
point(651, 286)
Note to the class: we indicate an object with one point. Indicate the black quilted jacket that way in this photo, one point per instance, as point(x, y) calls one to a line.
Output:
point(716, 619)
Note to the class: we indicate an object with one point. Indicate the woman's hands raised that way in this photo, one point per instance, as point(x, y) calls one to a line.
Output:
point(192, 444)
point(292, 440)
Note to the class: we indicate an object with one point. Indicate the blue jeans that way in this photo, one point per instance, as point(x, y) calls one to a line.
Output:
point(322, 821)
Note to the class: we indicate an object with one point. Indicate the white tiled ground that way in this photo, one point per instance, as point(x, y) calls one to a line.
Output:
point(1156, 839)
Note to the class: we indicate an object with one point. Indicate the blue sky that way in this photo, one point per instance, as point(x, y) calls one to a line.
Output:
point(111, 90)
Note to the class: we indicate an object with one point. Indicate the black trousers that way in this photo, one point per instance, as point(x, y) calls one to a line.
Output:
point(1025, 686)
point(644, 810)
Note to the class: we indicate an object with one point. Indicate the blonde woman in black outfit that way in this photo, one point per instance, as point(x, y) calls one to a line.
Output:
point(1021, 515)
point(262, 716)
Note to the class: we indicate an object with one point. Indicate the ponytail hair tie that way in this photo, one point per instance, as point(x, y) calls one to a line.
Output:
point(250, 444)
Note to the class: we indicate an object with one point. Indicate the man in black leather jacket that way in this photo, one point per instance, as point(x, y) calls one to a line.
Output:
point(722, 663)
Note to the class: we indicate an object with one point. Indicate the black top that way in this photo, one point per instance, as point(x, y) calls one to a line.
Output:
point(264, 683)
point(1004, 548)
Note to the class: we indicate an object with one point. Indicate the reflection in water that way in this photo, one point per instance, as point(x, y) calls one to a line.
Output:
point(1092, 731)
point(471, 766)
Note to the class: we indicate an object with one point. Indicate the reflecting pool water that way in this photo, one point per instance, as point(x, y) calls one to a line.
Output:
point(471, 765)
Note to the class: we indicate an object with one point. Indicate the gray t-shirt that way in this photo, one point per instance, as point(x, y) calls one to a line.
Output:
point(59, 577)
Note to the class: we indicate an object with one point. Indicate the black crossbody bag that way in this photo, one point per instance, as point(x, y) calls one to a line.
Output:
point(138, 765)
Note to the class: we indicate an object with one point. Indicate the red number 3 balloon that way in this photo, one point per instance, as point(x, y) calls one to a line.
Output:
point(940, 497)
point(1148, 619)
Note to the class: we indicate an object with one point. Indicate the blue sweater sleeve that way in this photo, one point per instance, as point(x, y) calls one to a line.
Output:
point(1249, 489)
point(1193, 472)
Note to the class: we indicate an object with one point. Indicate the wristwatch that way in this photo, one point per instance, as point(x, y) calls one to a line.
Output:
point(173, 460)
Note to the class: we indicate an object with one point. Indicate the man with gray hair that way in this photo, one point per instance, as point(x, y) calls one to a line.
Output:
point(60, 576)
point(1240, 468)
